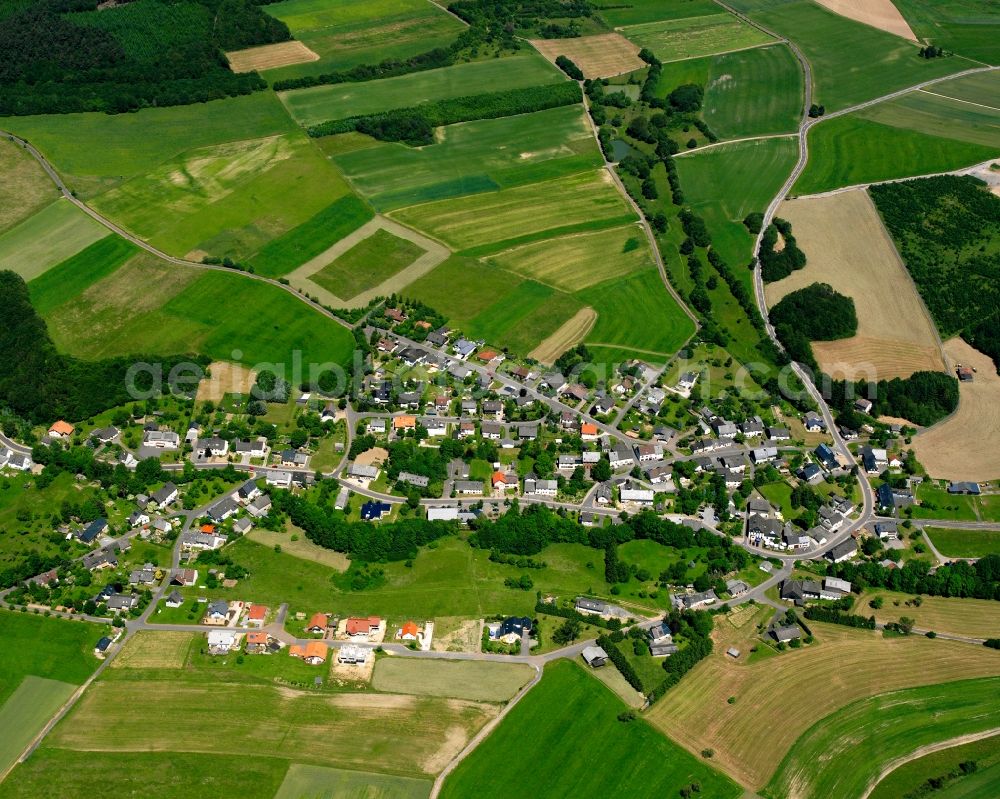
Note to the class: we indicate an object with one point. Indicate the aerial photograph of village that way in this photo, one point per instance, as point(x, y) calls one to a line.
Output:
point(473, 399)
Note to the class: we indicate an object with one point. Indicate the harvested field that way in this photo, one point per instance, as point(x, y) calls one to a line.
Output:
point(855, 664)
point(224, 378)
point(270, 56)
point(484, 681)
point(569, 335)
point(154, 650)
point(896, 336)
point(25, 188)
point(303, 548)
point(598, 56)
point(964, 446)
point(976, 618)
point(881, 14)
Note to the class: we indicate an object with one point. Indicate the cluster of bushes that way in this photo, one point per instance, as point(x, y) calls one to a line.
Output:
point(777, 264)
point(512, 560)
point(834, 616)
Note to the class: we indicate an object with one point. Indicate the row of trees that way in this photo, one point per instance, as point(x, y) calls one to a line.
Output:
point(980, 580)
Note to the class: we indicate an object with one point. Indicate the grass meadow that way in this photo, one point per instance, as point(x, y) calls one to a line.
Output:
point(906, 779)
point(338, 101)
point(460, 679)
point(368, 263)
point(976, 618)
point(26, 712)
point(78, 272)
point(967, 27)
point(473, 157)
point(752, 92)
point(964, 543)
point(213, 313)
point(48, 237)
point(49, 648)
point(866, 664)
point(844, 752)
point(851, 62)
point(570, 717)
point(25, 189)
point(640, 11)
point(319, 782)
point(692, 37)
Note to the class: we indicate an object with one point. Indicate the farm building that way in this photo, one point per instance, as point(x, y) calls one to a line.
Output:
point(594, 656)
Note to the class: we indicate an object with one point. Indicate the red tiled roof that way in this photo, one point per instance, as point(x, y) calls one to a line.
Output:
point(356, 626)
point(410, 628)
point(318, 620)
point(258, 612)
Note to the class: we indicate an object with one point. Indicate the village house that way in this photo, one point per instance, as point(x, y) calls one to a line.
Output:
point(504, 481)
point(318, 624)
point(469, 486)
point(814, 423)
point(537, 486)
point(61, 429)
point(694, 601)
point(255, 448)
point(363, 629)
point(256, 614)
point(313, 652)
point(165, 496)
point(778, 434)
point(353, 655)
point(211, 447)
point(278, 478)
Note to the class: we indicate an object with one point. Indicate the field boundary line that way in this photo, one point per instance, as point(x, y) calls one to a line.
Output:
point(958, 99)
point(929, 749)
point(736, 141)
point(965, 170)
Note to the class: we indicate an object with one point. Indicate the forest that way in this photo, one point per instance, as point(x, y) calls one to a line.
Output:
point(40, 384)
point(947, 230)
point(65, 56)
point(776, 263)
point(924, 397)
point(815, 313)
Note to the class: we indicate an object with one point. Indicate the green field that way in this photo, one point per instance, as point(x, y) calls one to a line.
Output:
point(747, 93)
point(321, 103)
point(473, 157)
point(525, 317)
point(968, 27)
point(724, 184)
point(213, 313)
point(460, 679)
point(26, 712)
point(570, 719)
point(79, 272)
point(639, 11)
point(50, 236)
point(910, 776)
point(352, 32)
point(367, 264)
point(586, 200)
point(964, 543)
point(675, 39)
point(318, 782)
point(25, 188)
point(851, 62)
point(843, 752)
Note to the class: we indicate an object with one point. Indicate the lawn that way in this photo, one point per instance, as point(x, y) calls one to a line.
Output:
point(338, 101)
point(976, 618)
point(571, 718)
point(226, 199)
point(26, 188)
point(964, 543)
point(108, 148)
point(79, 272)
point(460, 679)
point(473, 157)
point(851, 62)
point(747, 93)
point(698, 715)
point(26, 712)
point(906, 779)
point(367, 264)
point(692, 37)
point(302, 548)
point(318, 782)
point(584, 201)
point(118, 315)
point(57, 232)
point(937, 503)
point(968, 27)
point(843, 753)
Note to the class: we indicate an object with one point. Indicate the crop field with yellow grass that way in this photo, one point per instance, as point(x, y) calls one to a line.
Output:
point(270, 56)
point(692, 37)
point(25, 188)
point(483, 681)
point(599, 56)
point(154, 650)
point(976, 618)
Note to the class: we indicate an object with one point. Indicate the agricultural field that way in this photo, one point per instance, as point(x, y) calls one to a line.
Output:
point(118, 315)
point(881, 14)
point(639, 11)
point(353, 32)
point(460, 679)
point(753, 92)
point(339, 101)
point(699, 716)
point(954, 543)
point(601, 56)
point(46, 238)
point(26, 711)
point(845, 753)
point(975, 618)
point(896, 336)
point(469, 157)
point(910, 776)
point(77, 273)
point(155, 650)
point(851, 62)
point(319, 782)
point(675, 39)
point(633, 759)
point(26, 188)
point(270, 56)
point(368, 263)
point(968, 27)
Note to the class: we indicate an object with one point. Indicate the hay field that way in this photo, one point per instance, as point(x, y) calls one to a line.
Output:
point(964, 446)
point(800, 687)
point(692, 37)
point(638, 11)
point(26, 712)
point(317, 782)
point(225, 377)
point(932, 112)
point(304, 549)
point(582, 199)
point(975, 618)
point(881, 14)
point(484, 681)
point(154, 650)
point(599, 56)
point(57, 232)
point(77, 273)
point(270, 56)
point(572, 332)
point(848, 247)
point(351, 731)
point(25, 188)
point(368, 263)
point(968, 27)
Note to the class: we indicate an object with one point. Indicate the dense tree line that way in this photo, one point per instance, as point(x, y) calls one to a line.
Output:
point(776, 264)
point(40, 384)
point(416, 125)
point(979, 580)
point(947, 230)
point(924, 397)
point(834, 616)
point(58, 57)
point(567, 66)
